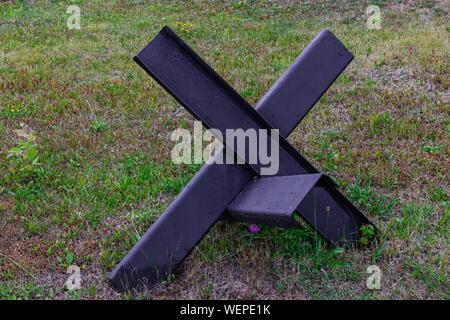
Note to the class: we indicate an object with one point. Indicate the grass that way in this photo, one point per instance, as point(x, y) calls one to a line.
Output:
point(99, 173)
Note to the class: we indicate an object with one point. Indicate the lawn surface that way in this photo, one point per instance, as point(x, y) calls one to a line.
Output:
point(85, 146)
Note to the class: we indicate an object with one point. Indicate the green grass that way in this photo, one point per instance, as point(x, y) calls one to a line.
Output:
point(99, 172)
point(24, 291)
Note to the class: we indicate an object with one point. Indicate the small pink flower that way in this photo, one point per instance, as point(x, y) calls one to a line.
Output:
point(254, 228)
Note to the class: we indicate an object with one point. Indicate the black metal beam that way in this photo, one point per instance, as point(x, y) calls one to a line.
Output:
point(170, 239)
point(274, 200)
point(209, 98)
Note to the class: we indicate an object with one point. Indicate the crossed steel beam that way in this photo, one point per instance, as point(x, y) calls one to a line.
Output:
point(230, 191)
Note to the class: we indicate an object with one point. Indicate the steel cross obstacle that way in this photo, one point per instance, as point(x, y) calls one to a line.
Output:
point(233, 191)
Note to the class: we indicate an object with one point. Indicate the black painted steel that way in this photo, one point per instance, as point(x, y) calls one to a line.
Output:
point(209, 98)
point(170, 239)
point(288, 101)
point(276, 198)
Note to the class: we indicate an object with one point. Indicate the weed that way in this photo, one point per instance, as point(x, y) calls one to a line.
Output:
point(367, 232)
point(19, 109)
point(22, 160)
point(99, 125)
